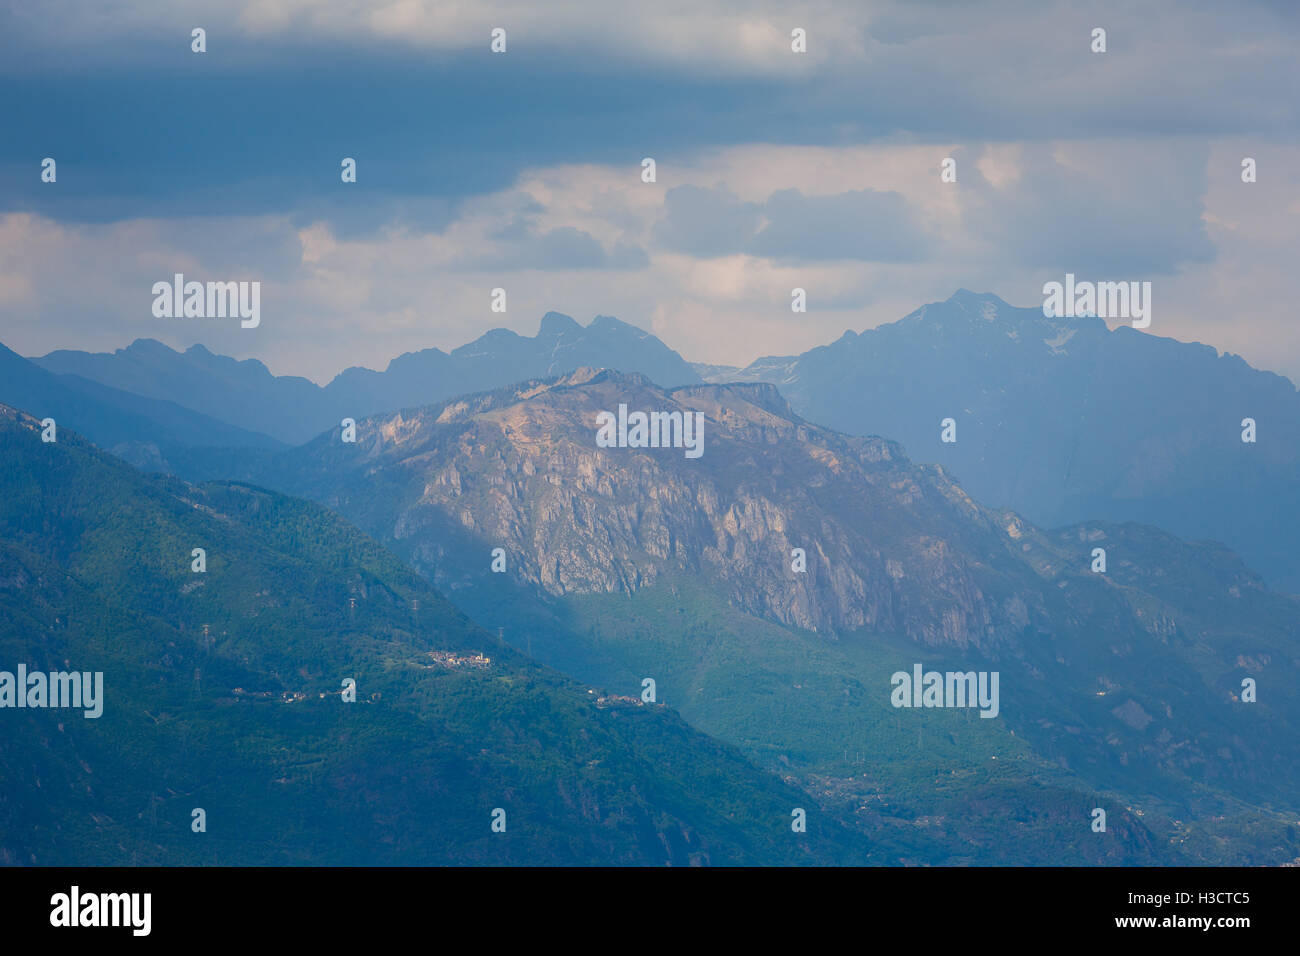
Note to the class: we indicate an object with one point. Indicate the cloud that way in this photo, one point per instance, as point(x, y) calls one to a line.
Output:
point(707, 221)
point(561, 248)
point(590, 239)
point(142, 127)
point(1105, 210)
point(860, 224)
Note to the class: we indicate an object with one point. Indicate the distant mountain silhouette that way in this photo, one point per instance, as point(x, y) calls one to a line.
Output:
point(150, 432)
point(294, 409)
point(1066, 420)
point(1063, 420)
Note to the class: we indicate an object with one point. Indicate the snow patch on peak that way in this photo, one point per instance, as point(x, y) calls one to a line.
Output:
point(1059, 340)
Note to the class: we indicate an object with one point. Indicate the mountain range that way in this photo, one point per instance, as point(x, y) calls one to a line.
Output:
point(223, 692)
point(618, 563)
point(293, 409)
point(152, 433)
point(1063, 420)
point(769, 587)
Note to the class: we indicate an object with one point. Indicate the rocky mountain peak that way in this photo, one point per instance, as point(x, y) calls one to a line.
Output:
point(556, 324)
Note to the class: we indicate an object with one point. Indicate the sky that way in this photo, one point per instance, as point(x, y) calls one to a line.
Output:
point(522, 170)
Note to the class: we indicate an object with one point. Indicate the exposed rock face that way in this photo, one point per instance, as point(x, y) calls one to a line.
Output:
point(890, 546)
point(1139, 666)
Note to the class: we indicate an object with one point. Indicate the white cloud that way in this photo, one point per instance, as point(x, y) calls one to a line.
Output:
point(330, 301)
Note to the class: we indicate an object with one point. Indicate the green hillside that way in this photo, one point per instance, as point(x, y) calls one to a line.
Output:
point(817, 711)
point(628, 563)
point(95, 575)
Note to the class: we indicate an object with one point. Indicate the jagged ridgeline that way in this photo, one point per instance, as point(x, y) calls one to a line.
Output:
point(1064, 420)
point(222, 691)
point(295, 410)
point(622, 562)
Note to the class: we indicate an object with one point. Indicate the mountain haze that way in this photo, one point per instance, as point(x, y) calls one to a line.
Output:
point(1063, 420)
point(1066, 420)
point(150, 432)
point(1125, 682)
point(294, 409)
